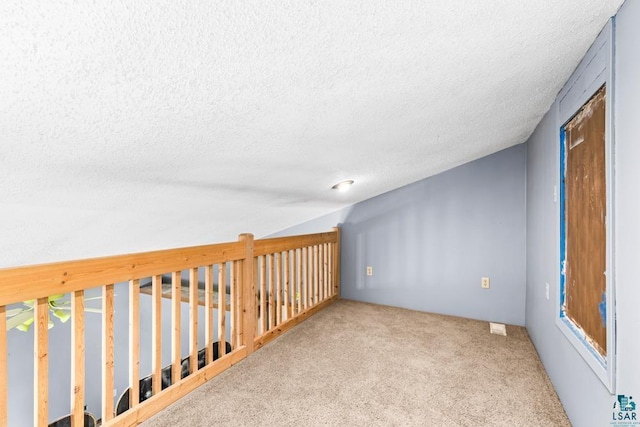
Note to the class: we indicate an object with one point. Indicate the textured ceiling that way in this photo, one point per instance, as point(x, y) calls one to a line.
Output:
point(135, 125)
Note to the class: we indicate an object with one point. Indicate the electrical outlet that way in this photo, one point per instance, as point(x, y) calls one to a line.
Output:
point(369, 271)
point(546, 290)
point(485, 283)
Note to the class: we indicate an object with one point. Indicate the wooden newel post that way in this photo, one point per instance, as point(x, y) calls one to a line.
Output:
point(336, 263)
point(248, 287)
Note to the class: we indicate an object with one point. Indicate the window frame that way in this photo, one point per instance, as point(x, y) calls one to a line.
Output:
point(595, 71)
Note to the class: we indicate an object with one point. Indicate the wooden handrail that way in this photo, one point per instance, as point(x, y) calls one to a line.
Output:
point(281, 244)
point(31, 282)
point(273, 285)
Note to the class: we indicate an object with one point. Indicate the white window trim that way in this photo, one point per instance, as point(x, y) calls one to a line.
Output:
point(595, 70)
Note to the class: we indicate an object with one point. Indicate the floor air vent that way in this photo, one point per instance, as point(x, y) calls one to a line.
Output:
point(497, 328)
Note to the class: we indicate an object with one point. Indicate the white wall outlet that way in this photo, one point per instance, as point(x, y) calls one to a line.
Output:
point(485, 283)
point(555, 193)
point(546, 290)
point(369, 271)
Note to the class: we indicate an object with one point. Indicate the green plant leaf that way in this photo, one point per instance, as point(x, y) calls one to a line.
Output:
point(23, 327)
point(86, 309)
point(25, 317)
point(21, 318)
point(62, 315)
point(14, 311)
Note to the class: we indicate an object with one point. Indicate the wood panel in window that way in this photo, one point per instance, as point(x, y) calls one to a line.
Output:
point(585, 187)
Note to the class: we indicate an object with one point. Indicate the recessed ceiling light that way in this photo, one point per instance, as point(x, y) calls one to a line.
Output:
point(343, 186)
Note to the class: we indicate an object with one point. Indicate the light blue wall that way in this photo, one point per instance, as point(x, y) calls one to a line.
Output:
point(425, 242)
point(627, 214)
point(585, 398)
point(581, 392)
point(431, 242)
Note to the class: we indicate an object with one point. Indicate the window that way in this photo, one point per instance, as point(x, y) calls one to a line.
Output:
point(585, 311)
point(583, 229)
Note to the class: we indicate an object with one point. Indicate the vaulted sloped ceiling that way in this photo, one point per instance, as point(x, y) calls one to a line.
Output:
point(135, 125)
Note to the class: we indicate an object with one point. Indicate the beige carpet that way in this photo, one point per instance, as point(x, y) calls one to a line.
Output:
point(357, 364)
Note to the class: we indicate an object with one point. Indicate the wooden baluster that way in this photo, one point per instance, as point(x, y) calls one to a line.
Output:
point(41, 362)
point(232, 304)
point(316, 288)
point(298, 267)
point(303, 284)
point(320, 265)
point(263, 295)
point(222, 304)
point(321, 284)
point(294, 282)
point(134, 341)
point(239, 324)
point(311, 278)
point(208, 313)
point(330, 269)
point(156, 333)
point(325, 269)
point(286, 299)
point(271, 308)
point(176, 300)
point(278, 285)
point(107, 352)
point(77, 359)
point(193, 320)
point(248, 282)
point(310, 271)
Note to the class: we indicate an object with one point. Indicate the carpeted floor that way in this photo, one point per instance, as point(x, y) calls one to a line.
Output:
point(357, 364)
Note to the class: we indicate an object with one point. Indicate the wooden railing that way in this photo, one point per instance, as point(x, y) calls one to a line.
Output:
point(296, 276)
point(238, 295)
